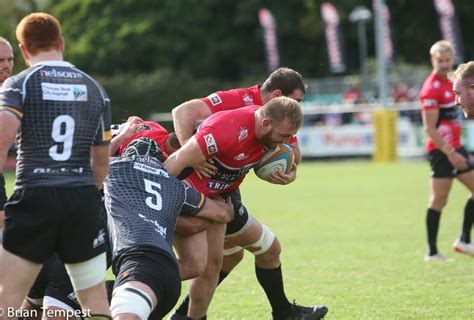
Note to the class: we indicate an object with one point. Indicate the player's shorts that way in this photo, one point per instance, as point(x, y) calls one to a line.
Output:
point(43, 221)
point(53, 281)
point(442, 168)
point(242, 218)
point(155, 268)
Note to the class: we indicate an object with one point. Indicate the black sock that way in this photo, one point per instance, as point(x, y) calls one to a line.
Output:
point(432, 225)
point(183, 307)
point(271, 281)
point(202, 318)
point(468, 221)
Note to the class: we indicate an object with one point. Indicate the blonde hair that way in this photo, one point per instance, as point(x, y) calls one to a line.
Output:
point(440, 47)
point(464, 71)
point(281, 108)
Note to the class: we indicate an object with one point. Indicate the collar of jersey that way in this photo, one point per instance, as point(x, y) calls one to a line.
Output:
point(55, 63)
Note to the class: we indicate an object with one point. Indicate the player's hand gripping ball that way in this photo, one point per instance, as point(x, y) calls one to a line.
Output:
point(280, 159)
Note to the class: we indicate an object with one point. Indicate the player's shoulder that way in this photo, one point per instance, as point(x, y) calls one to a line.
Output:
point(432, 84)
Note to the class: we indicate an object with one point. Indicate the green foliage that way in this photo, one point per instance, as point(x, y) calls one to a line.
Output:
point(223, 39)
point(160, 91)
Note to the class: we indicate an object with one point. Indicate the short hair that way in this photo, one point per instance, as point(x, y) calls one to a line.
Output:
point(285, 79)
point(3, 40)
point(440, 47)
point(39, 31)
point(464, 71)
point(280, 108)
point(173, 140)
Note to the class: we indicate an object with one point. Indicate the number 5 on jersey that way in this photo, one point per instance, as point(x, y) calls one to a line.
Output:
point(149, 187)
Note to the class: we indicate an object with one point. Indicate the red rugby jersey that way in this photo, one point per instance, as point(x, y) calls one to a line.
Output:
point(437, 93)
point(228, 138)
point(234, 99)
point(151, 130)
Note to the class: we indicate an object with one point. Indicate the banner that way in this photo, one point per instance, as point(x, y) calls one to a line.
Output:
point(333, 37)
point(387, 35)
point(269, 25)
point(449, 25)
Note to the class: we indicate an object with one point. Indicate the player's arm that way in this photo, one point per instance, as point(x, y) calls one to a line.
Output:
point(9, 125)
point(100, 163)
point(430, 119)
point(127, 131)
point(188, 156)
point(185, 117)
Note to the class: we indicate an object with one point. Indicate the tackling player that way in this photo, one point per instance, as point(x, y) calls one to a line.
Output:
point(143, 202)
point(447, 157)
point(63, 157)
point(237, 140)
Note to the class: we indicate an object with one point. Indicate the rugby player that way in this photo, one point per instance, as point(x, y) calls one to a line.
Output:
point(6, 67)
point(463, 88)
point(282, 82)
point(143, 202)
point(447, 157)
point(63, 158)
point(237, 140)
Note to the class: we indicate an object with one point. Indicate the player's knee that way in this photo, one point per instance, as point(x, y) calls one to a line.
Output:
point(88, 273)
point(438, 202)
point(234, 254)
point(128, 301)
point(266, 244)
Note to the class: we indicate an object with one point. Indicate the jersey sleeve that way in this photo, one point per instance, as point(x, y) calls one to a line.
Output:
point(223, 100)
point(212, 140)
point(429, 99)
point(104, 133)
point(194, 201)
point(11, 97)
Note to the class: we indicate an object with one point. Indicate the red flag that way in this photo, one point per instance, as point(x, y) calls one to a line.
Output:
point(450, 27)
point(333, 37)
point(269, 25)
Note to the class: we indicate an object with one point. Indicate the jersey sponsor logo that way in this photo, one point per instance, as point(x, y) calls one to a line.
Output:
point(148, 169)
point(158, 227)
point(59, 170)
point(447, 94)
point(53, 73)
point(211, 144)
point(436, 84)
point(241, 156)
point(248, 100)
point(243, 134)
point(215, 99)
point(217, 185)
point(64, 92)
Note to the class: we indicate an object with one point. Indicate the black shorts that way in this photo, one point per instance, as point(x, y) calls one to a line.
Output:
point(42, 221)
point(241, 215)
point(53, 281)
point(441, 167)
point(155, 268)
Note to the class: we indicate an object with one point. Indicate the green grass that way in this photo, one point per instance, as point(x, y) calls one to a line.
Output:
point(353, 238)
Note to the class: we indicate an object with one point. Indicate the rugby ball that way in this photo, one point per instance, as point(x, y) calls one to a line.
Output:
point(280, 159)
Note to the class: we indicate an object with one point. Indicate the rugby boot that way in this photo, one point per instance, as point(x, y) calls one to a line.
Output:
point(463, 247)
point(298, 312)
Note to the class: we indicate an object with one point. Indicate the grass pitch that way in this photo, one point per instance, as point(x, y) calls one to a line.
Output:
point(353, 238)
